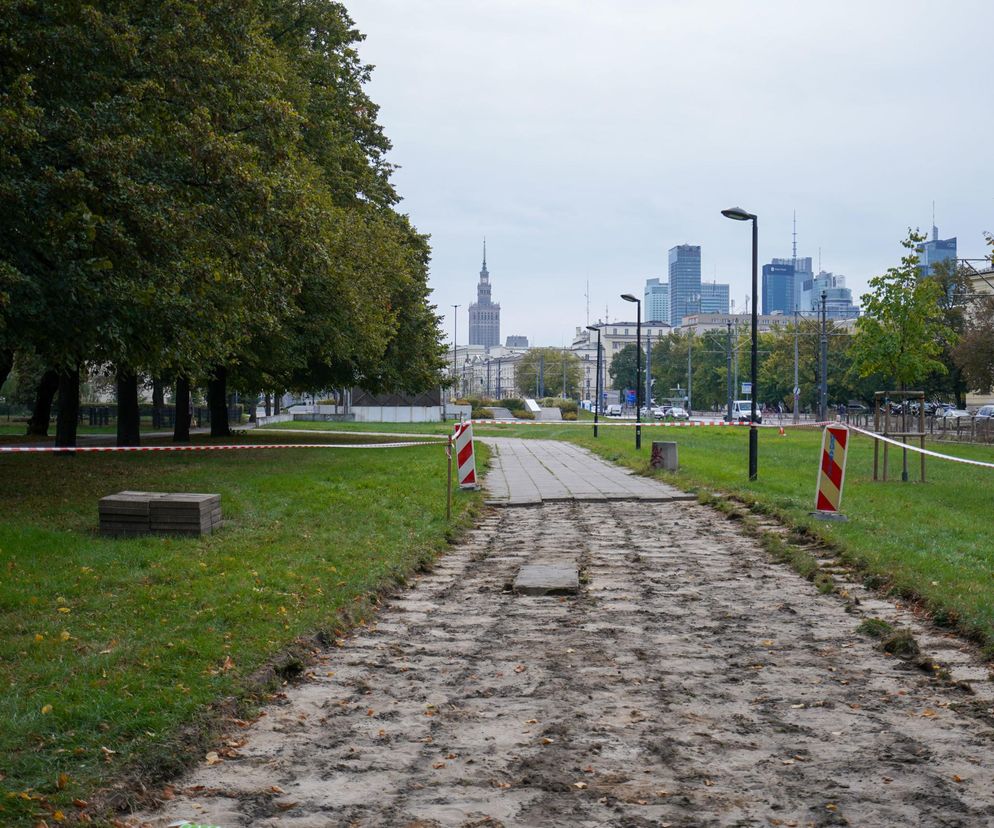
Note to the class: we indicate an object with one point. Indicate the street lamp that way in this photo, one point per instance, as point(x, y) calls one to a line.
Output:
point(738, 214)
point(455, 327)
point(597, 381)
point(638, 368)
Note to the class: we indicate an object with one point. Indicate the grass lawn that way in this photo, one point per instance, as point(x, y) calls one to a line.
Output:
point(108, 647)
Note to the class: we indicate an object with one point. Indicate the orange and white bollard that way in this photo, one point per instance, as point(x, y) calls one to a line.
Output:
point(831, 473)
point(465, 458)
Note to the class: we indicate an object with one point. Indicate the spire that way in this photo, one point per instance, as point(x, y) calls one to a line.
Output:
point(795, 236)
point(935, 230)
point(484, 273)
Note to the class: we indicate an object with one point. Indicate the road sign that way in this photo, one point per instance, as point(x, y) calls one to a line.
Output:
point(629, 397)
point(746, 387)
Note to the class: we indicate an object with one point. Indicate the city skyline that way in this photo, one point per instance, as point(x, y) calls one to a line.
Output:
point(506, 122)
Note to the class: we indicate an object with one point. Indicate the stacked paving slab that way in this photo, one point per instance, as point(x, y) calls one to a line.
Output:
point(127, 514)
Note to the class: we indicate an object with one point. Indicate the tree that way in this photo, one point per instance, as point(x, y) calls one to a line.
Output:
point(539, 373)
point(901, 332)
point(974, 353)
point(622, 369)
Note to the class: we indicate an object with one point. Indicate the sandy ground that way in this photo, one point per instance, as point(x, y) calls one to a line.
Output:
point(691, 683)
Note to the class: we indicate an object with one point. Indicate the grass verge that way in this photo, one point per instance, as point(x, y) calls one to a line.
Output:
point(111, 648)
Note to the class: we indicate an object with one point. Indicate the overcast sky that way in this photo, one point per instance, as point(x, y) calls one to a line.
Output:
point(585, 139)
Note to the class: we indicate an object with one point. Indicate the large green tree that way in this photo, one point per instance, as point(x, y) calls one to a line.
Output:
point(902, 330)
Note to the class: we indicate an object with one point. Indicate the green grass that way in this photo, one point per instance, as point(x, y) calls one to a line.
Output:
point(122, 643)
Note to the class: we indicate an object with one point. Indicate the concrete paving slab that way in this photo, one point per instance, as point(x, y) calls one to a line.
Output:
point(547, 579)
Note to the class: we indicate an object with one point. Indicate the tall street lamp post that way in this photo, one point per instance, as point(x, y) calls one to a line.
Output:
point(738, 214)
point(638, 368)
point(455, 328)
point(597, 381)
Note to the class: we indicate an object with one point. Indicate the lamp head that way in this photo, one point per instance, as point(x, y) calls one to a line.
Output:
point(629, 298)
point(738, 214)
point(593, 328)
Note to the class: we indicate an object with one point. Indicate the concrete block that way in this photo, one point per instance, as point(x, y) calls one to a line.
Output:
point(547, 579)
point(664, 456)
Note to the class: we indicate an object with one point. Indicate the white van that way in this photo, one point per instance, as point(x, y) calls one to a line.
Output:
point(614, 410)
point(742, 412)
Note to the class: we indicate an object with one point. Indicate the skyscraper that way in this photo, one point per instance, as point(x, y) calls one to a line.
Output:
point(657, 301)
point(714, 297)
point(778, 286)
point(484, 315)
point(685, 282)
point(935, 250)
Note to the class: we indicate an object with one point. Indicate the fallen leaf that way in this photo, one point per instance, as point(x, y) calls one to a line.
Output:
point(928, 713)
point(227, 664)
point(58, 816)
point(832, 807)
point(520, 668)
point(80, 803)
point(438, 765)
point(64, 635)
point(531, 721)
point(708, 783)
point(450, 756)
point(276, 789)
point(64, 609)
point(286, 806)
point(546, 741)
point(370, 712)
point(212, 758)
point(503, 785)
point(580, 785)
point(62, 781)
point(957, 778)
point(46, 709)
point(39, 637)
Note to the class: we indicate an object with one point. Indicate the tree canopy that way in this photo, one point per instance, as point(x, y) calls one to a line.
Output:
point(190, 186)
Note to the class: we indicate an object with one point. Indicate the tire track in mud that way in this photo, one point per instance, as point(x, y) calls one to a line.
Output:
point(691, 683)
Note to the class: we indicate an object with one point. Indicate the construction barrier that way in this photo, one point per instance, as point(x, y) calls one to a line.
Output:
point(831, 472)
point(647, 424)
point(465, 458)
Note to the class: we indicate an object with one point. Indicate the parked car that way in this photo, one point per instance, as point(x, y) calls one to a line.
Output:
point(954, 414)
point(742, 412)
point(941, 409)
point(614, 410)
point(985, 412)
point(678, 413)
point(658, 412)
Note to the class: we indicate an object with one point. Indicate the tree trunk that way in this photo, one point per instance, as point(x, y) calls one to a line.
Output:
point(6, 364)
point(253, 406)
point(217, 401)
point(183, 413)
point(65, 428)
point(128, 413)
point(276, 402)
point(41, 416)
point(158, 393)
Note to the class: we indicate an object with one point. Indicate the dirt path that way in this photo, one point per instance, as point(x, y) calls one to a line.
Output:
point(691, 683)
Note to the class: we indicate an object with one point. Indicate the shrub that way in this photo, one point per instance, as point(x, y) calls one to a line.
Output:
point(569, 415)
point(521, 414)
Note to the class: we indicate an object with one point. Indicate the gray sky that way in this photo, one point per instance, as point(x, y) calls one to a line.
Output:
point(585, 139)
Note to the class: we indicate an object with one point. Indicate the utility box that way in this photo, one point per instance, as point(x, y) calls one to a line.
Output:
point(664, 456)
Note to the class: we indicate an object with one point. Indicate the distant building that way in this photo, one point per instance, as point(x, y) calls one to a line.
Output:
point(657, 301)
point(516, 342)
point(685, 281)
point(702, 322)
point(714, 298)
point(484, 315)
point(838, 298)
point(778, 286)
point(935, 250)
point(803, 272)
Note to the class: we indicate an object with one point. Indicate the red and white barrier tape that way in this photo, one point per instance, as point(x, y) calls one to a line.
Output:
point(245, 446)
point(920, 450)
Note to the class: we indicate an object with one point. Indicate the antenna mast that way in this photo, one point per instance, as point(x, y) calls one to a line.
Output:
point(795, 238)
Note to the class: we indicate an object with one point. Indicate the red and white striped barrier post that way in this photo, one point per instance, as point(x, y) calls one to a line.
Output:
point(831, 473)
point(465, 458)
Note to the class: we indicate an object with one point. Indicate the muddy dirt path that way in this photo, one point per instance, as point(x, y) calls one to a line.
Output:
point(691, 683)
